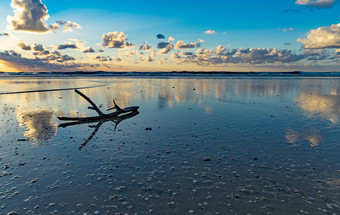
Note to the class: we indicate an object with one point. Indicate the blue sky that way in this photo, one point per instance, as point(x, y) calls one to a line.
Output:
point(244, 35)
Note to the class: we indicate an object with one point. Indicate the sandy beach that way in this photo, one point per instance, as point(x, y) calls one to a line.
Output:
point(197, 146)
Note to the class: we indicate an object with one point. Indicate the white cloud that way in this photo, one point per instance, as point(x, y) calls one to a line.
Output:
point(209, 32)
point(247, 56)
point(116, 40)
point(316, 3)
point(323, 37)
point(31, 15)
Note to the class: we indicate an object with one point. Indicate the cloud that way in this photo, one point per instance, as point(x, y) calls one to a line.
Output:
point(286, 29)
point(38, 47)
point(221, 55)
point(221, 50)
point(316, 54)
point(148, 59)
point(129, 53)
point(67, 46)
point(30, 15)
point(100, 58)
point(145, 47)
point(88, 50)
point(67, 25)
point(287, 44)
point(209, 32)
point(24, 46)
point(162, 45)
point(316, 3)
point(116, 40)
point(160, 36)
point(181, 45)
point(50, 62)
point(323, 37)
point(165, 47)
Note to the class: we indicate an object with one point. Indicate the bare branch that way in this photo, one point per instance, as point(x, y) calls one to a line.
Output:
point(91, 102)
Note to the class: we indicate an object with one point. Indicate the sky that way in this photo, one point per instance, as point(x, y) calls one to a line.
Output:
point(134, 35)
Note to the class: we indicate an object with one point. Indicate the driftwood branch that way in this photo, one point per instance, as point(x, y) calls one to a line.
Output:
point(119, 111)
point(116, 120)
point(94, 106)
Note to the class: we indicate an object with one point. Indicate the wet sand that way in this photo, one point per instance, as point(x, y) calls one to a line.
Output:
point(198, 146)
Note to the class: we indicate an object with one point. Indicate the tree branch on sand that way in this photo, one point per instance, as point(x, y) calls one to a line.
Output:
point(119, 111)
point(116, 117)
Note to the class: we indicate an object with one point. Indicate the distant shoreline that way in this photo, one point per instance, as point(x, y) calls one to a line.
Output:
point(170, 74)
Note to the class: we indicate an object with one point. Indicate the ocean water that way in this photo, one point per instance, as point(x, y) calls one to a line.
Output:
point(225, 145)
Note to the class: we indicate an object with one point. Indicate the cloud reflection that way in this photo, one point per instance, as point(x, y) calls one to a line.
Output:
point(326, 106)
point(313, 136)
point(39, 125)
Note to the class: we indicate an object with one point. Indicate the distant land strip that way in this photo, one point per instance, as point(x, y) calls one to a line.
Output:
point(169, 74)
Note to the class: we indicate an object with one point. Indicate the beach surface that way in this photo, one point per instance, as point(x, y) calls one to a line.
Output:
point(197, 146)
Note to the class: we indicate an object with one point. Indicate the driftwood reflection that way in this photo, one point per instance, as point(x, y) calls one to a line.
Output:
point(116, 120)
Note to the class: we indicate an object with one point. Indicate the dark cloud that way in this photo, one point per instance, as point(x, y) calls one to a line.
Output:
point(53, 61)
point(101, 58)
point(67, 25)
point(162, 45)
point(39, 53)
point(182, 45)
point(316, 54)
point(116, 40)
point(24, 46)
point(38, 47)
point(88, 50)
point(160, 36)
point(67, 46)
point(287, 44)
point(165, 47)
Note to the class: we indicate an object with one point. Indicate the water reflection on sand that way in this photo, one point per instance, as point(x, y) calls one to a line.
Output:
point(202, 146)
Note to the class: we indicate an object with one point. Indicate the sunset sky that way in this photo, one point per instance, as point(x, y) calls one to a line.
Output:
point(135, 35)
